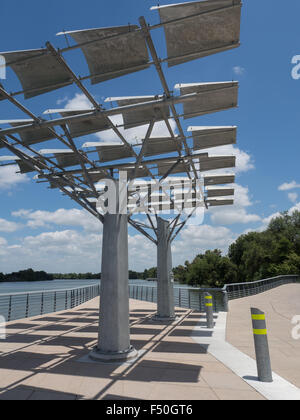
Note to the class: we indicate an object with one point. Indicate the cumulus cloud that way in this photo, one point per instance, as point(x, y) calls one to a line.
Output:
point(197, 239)
point(9, 178)
point(61, 217)
point(293, 197)
point(237, 213)
point(288, 186)
point(6, 226)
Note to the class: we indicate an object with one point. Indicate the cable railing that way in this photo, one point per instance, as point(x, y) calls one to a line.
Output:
point(189, 298)
point(240, 290)
point(16, 306)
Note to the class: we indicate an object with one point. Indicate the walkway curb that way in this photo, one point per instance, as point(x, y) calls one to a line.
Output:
point(242, 365)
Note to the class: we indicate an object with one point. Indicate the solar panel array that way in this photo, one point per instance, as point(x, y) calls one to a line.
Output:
point(192, 30)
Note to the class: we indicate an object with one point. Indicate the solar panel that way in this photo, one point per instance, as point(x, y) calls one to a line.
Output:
point(196, 33)
point(218, 179)
point(64, 157)
point(136, 117)
point(217, 162)
point(83, 127)
point(165, 167)
point(140, 173)
point(219, 191)
point(110, 151)
point(158, 146)
point(219, 202)
point(121, 50)
point(213, 97)
point(32, 135)
point(207, 137)
point(38, 71)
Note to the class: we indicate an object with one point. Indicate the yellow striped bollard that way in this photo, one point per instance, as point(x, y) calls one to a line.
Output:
point(209, 310)
point(263, 360)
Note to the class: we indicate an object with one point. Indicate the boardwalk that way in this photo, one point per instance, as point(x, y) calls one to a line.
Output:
point(281, 305)
point(45, 358)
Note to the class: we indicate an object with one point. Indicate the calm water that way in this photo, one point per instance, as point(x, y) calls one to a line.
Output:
point(58, 285)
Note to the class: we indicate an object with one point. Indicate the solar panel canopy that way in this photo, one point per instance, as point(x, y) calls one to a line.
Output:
point(196, 33)
point(136, 117)
point(121, 50)
point(211, 97)
point(207, 137)
point(38, 71)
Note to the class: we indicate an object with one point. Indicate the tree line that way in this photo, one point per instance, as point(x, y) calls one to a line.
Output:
point(253, 256)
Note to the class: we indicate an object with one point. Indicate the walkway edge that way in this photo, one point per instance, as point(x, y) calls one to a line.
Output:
point(242, 365)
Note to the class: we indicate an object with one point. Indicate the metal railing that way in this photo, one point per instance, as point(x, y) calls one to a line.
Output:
point(26, 305)
point(194, 298)
point(16, 306)
point(190, 298)
point(240, 290)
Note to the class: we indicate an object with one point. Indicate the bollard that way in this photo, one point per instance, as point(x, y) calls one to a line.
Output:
point(209, 310)
point(263, 361)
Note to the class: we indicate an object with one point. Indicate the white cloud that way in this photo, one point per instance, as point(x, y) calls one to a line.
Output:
point(288, 186)
point(9, 178)
point(79, 102)
point(239, 70)
point(237, 213)
point(293, 197)
point(197, 239)
point(60, 217)
point(6, 226)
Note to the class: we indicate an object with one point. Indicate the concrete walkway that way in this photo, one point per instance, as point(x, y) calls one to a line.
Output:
point(281, 305)
point(45, 358)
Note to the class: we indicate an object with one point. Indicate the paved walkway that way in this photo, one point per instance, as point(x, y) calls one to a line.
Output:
point(45, 358)
point(281, 305)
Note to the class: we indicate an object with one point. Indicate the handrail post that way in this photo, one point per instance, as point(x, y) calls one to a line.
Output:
point(27, 306)
point(9, 309)
point(42, 304)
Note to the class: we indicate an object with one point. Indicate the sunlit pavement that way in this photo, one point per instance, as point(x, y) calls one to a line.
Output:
point(280, 305)
point(45, 358)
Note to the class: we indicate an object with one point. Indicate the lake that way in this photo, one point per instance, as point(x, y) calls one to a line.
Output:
point(23, 287)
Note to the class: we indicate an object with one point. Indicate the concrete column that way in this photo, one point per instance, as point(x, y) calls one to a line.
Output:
point(114, 330)
point(165, 282)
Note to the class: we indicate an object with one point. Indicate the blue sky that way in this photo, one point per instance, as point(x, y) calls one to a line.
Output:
point(42, 229)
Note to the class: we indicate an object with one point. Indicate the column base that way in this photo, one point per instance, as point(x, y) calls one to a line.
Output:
point(157, 318)
point(109, 357)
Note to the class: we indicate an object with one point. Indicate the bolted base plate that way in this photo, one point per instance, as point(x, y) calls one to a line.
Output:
point(109, 357)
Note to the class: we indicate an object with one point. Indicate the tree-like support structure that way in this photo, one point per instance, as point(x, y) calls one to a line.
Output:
point(165, 282)
point(114, 330)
